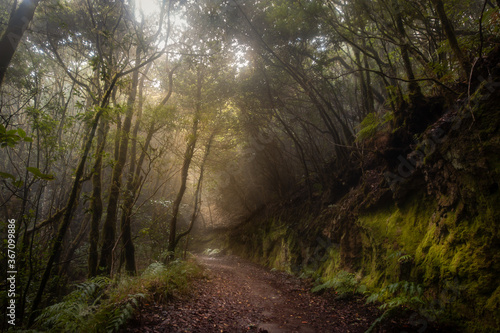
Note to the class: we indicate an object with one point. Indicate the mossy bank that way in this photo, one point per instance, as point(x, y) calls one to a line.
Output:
point(428, 214)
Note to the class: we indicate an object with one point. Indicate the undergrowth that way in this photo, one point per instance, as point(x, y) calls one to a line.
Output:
point(344, 284)
point(211, 252)
point(371, 124)
point(104, 305)
point(399, 295)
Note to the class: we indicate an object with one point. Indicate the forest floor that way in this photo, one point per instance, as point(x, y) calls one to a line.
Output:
point(239, 296)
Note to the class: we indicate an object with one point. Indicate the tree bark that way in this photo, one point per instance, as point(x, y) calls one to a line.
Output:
point(134, 176)
point(109, 226)
point(68, 213)
point(73, 246)
point(18, 23)
point(188, 156)
point(197, 193)
point(96, 201)
point(129, 196)
point(413, 86)
point(452, 38)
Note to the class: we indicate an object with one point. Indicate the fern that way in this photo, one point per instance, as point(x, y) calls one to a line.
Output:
point(123, 313)
point(211, 252)
point(403, 293)
point(99, 306)
point(344, 284)
point(73, 312)
point(155, 268)
point(396, 295)
point(83, 311)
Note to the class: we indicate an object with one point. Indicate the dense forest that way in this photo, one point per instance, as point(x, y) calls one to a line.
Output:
point(353, 143)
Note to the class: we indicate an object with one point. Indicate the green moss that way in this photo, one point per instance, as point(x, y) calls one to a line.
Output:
point(452, 249)
point(331, 266)
point(493, 303)
point(394, 232)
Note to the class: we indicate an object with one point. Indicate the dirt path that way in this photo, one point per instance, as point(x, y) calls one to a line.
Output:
point(240, 296)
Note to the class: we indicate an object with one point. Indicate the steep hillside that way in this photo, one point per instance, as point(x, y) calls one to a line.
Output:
point(426, 209)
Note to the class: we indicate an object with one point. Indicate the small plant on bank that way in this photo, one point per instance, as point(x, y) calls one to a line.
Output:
point(211, 252)
point(344, 284)
point(103, 305)
point(371, 124)
point(402, 294)
point(86, 310)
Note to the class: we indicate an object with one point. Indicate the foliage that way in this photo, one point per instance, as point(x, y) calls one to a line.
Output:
point(402, 294)
point(162, 282)
point(77, 310)
point(371, 124)
point(11, 137)
point(285, 85)
point(211, 252)
point(103, 305)
point(344, 284)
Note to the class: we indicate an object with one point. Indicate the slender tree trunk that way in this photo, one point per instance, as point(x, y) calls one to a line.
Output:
point(134, 176)
point(18, 23)
point(72, 200)
point(129, 196)
point(452, 38)
point(413, 86)
point(197, 193)
point(370, 99)
point(364, 82)
point(188, 156)
point(109, 226)
point(96, 201)
point(73, 246)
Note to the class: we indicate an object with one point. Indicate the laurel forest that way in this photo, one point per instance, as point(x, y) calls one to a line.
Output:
point(350, 145)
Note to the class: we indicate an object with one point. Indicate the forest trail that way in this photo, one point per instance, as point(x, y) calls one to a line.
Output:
point(239, 296)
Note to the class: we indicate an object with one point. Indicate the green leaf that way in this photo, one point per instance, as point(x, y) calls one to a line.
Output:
point(7, 175)
point(21, 133)
point(39, 174)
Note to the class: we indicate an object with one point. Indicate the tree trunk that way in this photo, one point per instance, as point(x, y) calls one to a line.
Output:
point(197, 193)
point(413, 86)
point(73, 246)
point(129, 196)
point(18, 23)
point(63, 227)
point(452, 38)
point(188, 156)
point(370, 98)
point(134, 177)
point(96, 201)
point(109, 226)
